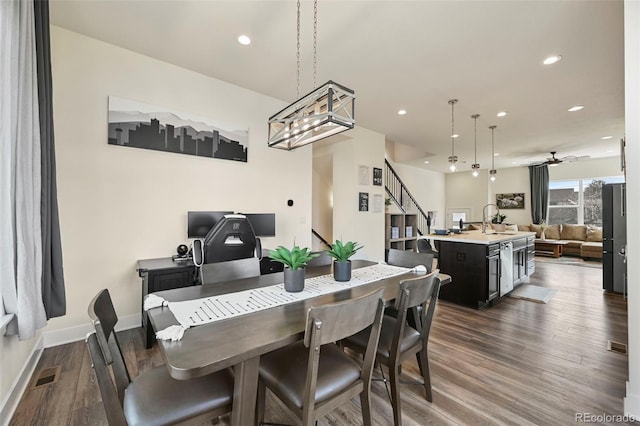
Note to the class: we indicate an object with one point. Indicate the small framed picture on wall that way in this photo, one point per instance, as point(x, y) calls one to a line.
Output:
point(363, 201)
point(377, 176)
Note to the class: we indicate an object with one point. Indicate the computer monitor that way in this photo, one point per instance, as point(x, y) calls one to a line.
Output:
point(263, 224)
point(199, 223)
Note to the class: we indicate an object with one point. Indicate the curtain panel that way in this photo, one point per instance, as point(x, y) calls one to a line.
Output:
point(539, 181)
point(21, 219)
point(53, 293)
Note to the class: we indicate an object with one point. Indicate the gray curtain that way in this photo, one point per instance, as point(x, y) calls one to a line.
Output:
point(53, 294)
point(21, 264)
point(539, 180)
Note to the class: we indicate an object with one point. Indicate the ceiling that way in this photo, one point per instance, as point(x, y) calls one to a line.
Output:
point(412, 55)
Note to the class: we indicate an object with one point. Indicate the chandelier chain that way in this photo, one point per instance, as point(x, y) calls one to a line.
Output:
point(315, 40)
point(452, 127)
point(298, 53)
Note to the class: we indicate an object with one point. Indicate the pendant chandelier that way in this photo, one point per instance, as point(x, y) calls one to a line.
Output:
point(323, 112)
point(475, 166)
point(453, 159)
point(493, 172)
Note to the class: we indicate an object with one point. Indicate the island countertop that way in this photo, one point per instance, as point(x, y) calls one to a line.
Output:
point(477, 237)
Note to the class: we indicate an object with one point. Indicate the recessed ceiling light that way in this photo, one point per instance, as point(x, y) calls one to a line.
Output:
point(514, 162)
point(609, 150)
point(551, 59)
point(501, 114)
point(244, 40)
point(402, 112)
point(496, 154)
point(455, 135)
point(426, 162)
point(575, 108)
point(604, 138)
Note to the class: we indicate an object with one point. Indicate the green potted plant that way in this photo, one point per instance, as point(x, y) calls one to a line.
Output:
point(497, 220)
point(341, 254)
point(387, 203)
point(294, 261)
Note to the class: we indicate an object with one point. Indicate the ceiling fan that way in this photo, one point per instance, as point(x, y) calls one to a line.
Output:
point(554, 161)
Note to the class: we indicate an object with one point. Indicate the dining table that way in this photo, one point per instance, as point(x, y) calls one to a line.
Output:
point(239, 342)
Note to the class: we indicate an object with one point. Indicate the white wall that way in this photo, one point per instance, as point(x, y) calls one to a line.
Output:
point(322, 201)
point(632, 112)
point(463, 191)
point(121, 204)
point(367, 228)
point(596, 168)
point(510, 180)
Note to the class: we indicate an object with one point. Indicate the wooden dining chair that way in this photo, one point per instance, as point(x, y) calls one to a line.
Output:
point(153, 397)
point(314, 376)
point(399, 340)
point(409, 259)
point(218, 272)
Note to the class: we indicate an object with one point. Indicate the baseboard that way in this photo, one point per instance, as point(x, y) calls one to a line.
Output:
point(19, 386)
point(79, 332)
point(632, 405)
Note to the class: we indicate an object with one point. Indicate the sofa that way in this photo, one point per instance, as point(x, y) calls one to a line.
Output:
point(581, 240)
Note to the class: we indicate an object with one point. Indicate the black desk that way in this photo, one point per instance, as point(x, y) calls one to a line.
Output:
point(163, 274)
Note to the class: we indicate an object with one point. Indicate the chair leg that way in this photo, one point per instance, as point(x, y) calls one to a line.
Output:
point(365, 403)
point(394, 372)
point(426, 375)
point(260, 402)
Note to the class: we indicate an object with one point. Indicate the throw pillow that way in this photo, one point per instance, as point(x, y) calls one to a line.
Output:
point(472, 227)
point(537, 229)
point(524, 228)
point(574, 232)
point(511, 228)
point(552, 232)
point(594, 234)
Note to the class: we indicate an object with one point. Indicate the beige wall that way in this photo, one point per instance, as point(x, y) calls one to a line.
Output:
point(508, 181)
point(367, 228)
point(463, 191)
point(599, 167)
point(322, 204)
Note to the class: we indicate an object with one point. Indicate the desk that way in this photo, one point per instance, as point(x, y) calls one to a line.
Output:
point(239, 342)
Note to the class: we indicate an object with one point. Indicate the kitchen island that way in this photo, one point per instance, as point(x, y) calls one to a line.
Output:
point(483, 266)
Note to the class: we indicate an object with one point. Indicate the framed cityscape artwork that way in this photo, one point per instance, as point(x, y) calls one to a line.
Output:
point(139, 125)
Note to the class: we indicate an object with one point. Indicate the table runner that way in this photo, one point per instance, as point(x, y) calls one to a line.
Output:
point(190, 313)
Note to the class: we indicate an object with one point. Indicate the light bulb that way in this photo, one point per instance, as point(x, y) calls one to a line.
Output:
point(452, 167)
point(475, 173)
point(492, 178)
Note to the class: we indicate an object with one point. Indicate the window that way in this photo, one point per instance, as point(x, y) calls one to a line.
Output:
point(577, 201)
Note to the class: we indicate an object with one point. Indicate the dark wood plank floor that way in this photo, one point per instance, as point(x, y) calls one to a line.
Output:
point(518, 362)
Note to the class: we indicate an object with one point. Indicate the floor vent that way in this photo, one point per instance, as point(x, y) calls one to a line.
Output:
point(617, 347)
point(46, 377)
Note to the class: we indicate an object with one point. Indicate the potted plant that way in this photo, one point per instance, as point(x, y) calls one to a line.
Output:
point(497, 220)
point(294, 261)
point(341, 254)
point(387, 203)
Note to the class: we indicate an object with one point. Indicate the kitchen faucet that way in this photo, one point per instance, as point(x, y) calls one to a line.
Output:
point(484, 216)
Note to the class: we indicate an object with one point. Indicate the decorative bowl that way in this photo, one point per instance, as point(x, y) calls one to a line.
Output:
point(440, 231)
point(454, 230)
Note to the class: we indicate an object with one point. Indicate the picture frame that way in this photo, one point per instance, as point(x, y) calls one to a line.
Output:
point(377, 176)
point(514, 200)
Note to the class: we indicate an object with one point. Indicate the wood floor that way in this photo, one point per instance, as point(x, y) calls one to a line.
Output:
point(518, 362)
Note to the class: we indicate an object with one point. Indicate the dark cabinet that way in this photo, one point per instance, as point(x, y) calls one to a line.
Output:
point(493, 271)
point(163, 274)
point(519, 261)
point(614, 238)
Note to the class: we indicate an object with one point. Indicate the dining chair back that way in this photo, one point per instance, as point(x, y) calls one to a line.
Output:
point(409, 259)
point(314, 376)
point(153, 397)
point(417, 297)
point(212, 273)
point(424, 246)
point(322, 259)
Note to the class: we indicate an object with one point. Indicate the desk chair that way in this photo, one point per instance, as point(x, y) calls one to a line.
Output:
point(314, 376)
point(399, 340)
point(154, 397)
point(212, 273)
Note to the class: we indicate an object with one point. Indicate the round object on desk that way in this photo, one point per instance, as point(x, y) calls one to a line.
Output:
point(440, 231)
point(182, 250)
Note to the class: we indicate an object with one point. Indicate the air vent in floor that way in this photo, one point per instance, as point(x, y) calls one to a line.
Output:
point(46, 376)
point(617, 347)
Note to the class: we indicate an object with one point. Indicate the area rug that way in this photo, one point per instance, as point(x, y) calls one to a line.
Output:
point(566, 260)
point(533, 293)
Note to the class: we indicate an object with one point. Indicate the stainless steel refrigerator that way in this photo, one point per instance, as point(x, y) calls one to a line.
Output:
point(614, 238)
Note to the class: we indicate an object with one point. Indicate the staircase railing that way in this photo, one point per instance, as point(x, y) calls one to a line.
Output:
point(400, 195)
point(318, 236)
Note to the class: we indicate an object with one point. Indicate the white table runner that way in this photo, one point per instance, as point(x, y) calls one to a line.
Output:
point(190, 313)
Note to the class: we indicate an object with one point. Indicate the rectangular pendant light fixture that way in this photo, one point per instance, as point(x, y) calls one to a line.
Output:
point(326, 111)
